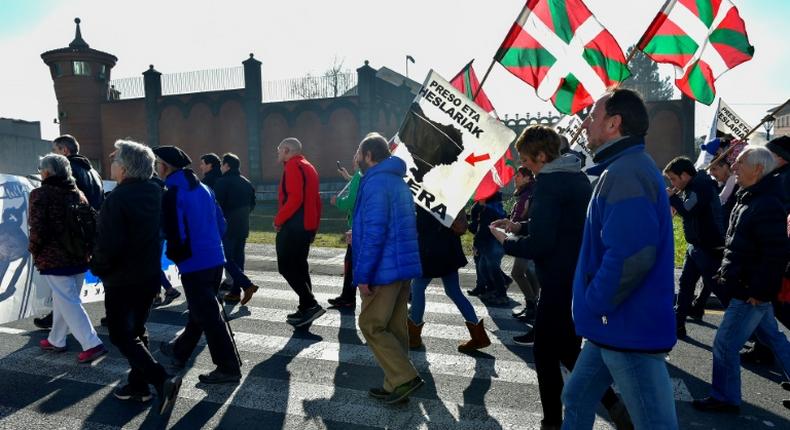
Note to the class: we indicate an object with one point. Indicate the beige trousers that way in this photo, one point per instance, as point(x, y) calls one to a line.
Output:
point(382, 321)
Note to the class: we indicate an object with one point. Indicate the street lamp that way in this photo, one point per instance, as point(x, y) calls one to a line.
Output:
point(768, 125)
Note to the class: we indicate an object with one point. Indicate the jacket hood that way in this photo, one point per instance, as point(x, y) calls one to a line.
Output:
point(392, 165)
point(184, 178)
point(80, 160)
point(567, 163)
point(61, 182)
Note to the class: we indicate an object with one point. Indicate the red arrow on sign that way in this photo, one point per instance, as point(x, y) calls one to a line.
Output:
point(472, 158)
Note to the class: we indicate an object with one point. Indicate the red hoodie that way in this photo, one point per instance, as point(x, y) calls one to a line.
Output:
point(299, 187)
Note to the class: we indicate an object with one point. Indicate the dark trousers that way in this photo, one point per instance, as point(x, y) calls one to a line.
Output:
point(556, 344)
point(205, 316)
point(127, 309)
point(293, 246)
point(698, 264)
point(349, 291)
point(234, 256)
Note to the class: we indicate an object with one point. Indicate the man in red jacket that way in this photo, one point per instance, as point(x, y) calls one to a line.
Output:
point(296, 222)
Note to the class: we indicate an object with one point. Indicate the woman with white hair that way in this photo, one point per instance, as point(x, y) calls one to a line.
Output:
point(62, 267)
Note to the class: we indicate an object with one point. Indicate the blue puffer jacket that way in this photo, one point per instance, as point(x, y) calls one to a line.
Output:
point(193, 223)
point(623, 289)
point(384, 233)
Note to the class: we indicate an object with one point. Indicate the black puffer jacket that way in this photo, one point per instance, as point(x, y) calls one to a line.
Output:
point(236, 196)
point(756, 247)
point(440, 248)
point(211, 177)
point(88, 180)
point(700, 208)
point(555, 225)
point(127, 250)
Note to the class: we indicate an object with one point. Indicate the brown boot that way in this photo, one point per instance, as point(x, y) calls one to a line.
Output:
point(415, 334)
point(479, 338)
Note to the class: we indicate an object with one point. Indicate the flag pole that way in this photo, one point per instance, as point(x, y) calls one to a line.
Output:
point(480, 87)
point(745, 138)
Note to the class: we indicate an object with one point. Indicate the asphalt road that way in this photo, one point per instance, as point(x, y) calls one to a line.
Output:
point(318, 377)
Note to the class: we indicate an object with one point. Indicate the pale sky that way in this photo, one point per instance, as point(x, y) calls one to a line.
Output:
point(296, 37)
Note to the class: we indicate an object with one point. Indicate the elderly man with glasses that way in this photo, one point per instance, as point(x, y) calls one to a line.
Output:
point(126, 258)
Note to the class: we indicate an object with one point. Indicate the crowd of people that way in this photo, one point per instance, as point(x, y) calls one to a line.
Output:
point(594, 261)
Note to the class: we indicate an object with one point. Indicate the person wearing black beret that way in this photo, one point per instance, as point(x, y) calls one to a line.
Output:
point(194, 225)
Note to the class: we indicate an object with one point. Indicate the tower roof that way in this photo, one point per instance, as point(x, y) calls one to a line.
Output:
point(79, 48)
point(78, 42)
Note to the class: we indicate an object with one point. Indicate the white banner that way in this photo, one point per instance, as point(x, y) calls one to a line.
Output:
point(21, 293)
point(449, 143)
point(569, 126)
point(728, 122)
point(725, 122)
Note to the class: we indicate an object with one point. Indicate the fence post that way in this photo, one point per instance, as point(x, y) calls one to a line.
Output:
point(253, 95)
point(153, 90)
point(366, 90)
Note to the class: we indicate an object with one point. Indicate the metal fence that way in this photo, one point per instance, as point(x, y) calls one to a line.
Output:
point(180, 83)
point(310, 87)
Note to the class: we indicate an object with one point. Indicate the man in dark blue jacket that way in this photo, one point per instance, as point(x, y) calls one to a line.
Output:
point(694, 198)
point(386, 256)
point(193, 224)
point(751, 271)
point(623, 288)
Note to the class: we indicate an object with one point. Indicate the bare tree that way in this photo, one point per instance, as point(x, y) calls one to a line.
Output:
point(334, 82)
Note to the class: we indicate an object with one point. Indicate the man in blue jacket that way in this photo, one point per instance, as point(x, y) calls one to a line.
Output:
point(386, 256)
point(194, 225)
point(623, 289)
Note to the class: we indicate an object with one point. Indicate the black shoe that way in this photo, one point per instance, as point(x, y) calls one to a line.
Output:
point(169, 394)
point(306, 316)
point(167, 349)
point(170, 295)
point(697, 311)
point(379, 393)
point(475, 291)
point(525, 339)
point(785, 385)
point(341, 302)
point(758, 355)
point(403, 391)
point(128, 393)
point(786, 403)
point(709, 404)
point(44, 322)
point(219, 377)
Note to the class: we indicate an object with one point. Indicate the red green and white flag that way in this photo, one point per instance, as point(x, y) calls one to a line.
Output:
point(503, 170)
point(559, 48)
point(702, 39)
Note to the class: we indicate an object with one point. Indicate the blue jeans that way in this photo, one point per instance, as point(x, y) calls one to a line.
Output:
point(489, 266)
point(740, 320)
point(643, 381)
point(452, 287)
